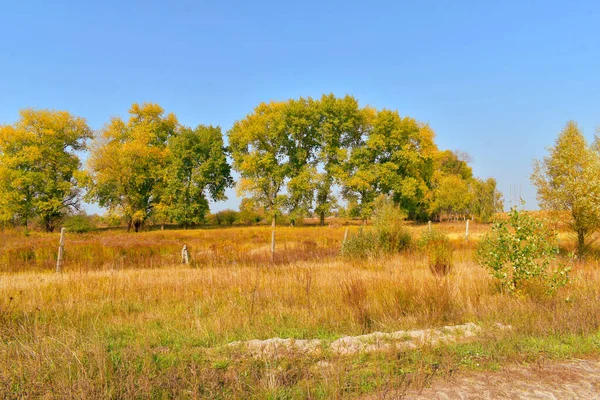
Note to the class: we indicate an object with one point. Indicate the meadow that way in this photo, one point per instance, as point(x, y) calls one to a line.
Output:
point(127, 320)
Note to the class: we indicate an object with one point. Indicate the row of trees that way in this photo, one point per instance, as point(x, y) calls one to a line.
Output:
point(302, 156)
point(298, 157)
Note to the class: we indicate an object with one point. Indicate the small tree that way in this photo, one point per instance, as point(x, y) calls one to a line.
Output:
point(568, 179)
point(438, 248)
point(519, 250)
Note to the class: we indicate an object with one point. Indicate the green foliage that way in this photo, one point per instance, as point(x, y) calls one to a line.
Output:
point(438, 248)
point(197, 166)
point(486, 199)
point(79, 223)
point(388, 235)
point(568, 179)
point(228, 216)
point(39, 166)
point(150, 166)
point(520, 250)
point(128, 160)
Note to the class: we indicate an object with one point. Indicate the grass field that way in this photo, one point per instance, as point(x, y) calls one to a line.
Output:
point(127, 320)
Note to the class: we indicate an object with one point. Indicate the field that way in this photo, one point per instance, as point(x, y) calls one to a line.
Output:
point(127, 320)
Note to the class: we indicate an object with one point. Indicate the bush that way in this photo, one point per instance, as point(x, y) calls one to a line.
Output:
point(80, 223)
point(388, 235)
point(439, 251)
point(519, 250)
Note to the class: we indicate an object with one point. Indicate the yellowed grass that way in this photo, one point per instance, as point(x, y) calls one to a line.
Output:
point(103, 330)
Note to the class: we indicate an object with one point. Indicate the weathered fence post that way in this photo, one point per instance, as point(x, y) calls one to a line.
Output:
point(61, 250)
point(345, 236)
point(185, 256)
point(467, 231)
point(273, 246)
point(429, 225)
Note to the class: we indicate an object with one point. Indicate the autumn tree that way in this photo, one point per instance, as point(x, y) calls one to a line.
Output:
point(568, 180)
point(196, 171)
point(273, 149)
point(341, 127)
point(39, 166)
point(128, 160)
point(302, 129)
point(396, 159)
point(486, 199)
point(452, 196)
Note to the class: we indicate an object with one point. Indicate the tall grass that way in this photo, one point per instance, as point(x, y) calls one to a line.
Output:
point(100, 331)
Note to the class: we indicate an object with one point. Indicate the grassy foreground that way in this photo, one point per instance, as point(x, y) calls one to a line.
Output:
point(108, 329)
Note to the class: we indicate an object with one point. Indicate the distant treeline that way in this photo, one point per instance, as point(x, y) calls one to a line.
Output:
point(296, 158)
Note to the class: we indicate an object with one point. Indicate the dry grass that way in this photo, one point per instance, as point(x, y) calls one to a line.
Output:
point(107, 329)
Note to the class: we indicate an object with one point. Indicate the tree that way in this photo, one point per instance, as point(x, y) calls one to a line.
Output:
point(197, 169)
point(452, 196)
point(396, 159)
point(128, 160)
point(39, 166)
point(341, 127)
point(486, 199)
point(273, 149)
point(258, 146)
point(568, 179)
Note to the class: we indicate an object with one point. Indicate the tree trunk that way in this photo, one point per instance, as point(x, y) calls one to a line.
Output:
point(273, 221)
point(580, 243)
point(322, 218)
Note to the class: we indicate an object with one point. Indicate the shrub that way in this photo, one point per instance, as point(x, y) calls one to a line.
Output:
point(521, 249)
point(388, 235)
point(79, 223)
point(439, 251)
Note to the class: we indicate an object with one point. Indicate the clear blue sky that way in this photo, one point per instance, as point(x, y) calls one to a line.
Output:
point(495, 79)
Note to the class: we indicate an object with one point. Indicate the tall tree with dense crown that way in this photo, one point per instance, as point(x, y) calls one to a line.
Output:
point(396, 159)
point(128, 160)
point(568, 179)
point(258, 145)
point(197, 170)
point(342, 126)
point(39, 166)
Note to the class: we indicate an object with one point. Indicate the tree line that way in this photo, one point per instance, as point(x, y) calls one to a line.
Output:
point(296, 158)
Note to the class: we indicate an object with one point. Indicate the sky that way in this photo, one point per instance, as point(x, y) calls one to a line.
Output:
point(498, 80)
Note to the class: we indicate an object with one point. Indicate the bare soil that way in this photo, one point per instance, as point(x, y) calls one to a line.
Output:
point(573, 379)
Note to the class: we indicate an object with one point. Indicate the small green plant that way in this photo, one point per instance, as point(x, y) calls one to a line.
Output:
point(388, 236)
point(439, 251)
point(521, 249)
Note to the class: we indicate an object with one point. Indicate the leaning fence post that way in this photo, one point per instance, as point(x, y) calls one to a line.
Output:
point(185, 256)
point(467, 231)
point(61, 250)
point(273, 246)
point(345, 236)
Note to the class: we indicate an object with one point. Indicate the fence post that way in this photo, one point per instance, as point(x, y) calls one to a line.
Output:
point(185, 256)
point(467, 231)
point(345, 236)
point(429, 225)
point(61, 250)
point(273, 246)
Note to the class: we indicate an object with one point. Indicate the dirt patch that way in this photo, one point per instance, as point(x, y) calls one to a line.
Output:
point(574, 379)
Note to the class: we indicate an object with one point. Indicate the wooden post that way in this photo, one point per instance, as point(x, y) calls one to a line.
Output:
point(429, 225)
point(185, 256)
point(61, 250)
point(345, 236)
point(467, 231)
point(273, 246)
